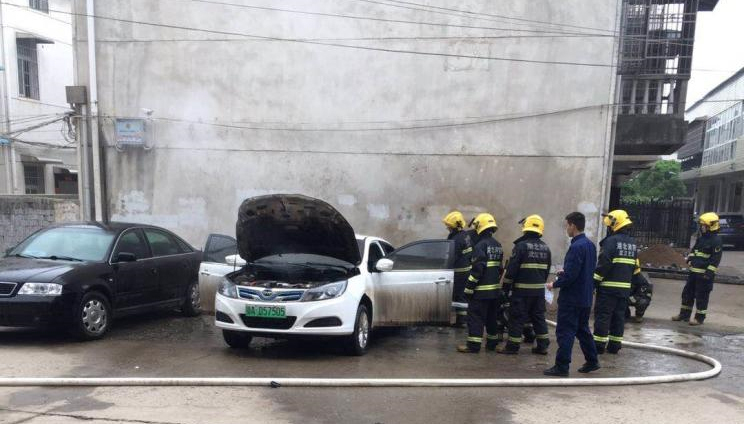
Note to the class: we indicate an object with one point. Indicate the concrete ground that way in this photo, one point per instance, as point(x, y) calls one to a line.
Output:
point(732, 263)
point(164, 344)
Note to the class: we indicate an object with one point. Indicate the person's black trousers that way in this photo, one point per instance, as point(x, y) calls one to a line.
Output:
point(573, 322)
point(697, 291)
point(483, 313)
point(609, 321)
point(525, 309)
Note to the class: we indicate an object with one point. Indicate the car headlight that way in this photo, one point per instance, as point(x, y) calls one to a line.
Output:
point(328, 291)
point(228, 289)
point(41, 289)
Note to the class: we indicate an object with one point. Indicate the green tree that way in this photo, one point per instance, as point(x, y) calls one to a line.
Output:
point(658, 183)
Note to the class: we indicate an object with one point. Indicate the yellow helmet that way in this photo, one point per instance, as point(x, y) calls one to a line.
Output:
point(483, 222)
point(533, 223)
point(454, 219)
point(617, 219)
point(710, 219)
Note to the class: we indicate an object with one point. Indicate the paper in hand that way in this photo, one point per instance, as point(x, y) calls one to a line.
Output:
point(548, 296)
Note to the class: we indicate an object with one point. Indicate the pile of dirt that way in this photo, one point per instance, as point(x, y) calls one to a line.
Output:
point(662, 256)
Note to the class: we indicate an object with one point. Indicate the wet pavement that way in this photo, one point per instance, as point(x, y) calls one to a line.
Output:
point(165, 344)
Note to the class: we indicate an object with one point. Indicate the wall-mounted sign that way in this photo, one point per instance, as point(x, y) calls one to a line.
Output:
point(130, 132)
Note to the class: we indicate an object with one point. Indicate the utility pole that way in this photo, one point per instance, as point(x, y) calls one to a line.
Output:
point(10, 175)
point(93, 129)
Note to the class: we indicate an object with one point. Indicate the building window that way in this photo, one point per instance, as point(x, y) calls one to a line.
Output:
point(28, 69)
point(33, 176)
point(721, 132)
point(40, 5)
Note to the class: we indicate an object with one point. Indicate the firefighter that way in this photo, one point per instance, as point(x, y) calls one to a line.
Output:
point(483, 287)
point(641, 292)
point(617, 264)
point(455, 223)
point(525, 276)
point(703, 261)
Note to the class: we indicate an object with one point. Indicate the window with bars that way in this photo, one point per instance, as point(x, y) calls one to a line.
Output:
point(40, 5)
point(33, 176)
point(28, 69)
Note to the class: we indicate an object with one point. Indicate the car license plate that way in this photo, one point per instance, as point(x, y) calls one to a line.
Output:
point(265, 311)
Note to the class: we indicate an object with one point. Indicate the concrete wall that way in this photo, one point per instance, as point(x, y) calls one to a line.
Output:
point(55, 63)
point(235, 117)
point(20, 216)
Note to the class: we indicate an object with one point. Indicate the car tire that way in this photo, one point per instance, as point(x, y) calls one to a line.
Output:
point(237, 339)
point(191, 306)
point(92, 317)
point(356, 344)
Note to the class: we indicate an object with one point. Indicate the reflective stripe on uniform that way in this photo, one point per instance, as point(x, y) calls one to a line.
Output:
point(541, 336)
point(616, 338)
point(534, 266)
point(697, 270)
point(496, 337)
point(464, 269)
point(490, 264)
point(515, 339)
point(460, 305)
point(468, 291)
point(472, 279)
point(701, 254)
point(614, 284)
point(529, 285)
point(702, 312)
point(626, 261)
point(475, 339)
point(601, 339)
point(461, 312)
point(712, 268)
point(686, 308)
point(489, 287)
point(508, 281)
point(468, 250)
point(598, 277)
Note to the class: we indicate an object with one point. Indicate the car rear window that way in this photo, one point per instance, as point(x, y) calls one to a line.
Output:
point(731, 221)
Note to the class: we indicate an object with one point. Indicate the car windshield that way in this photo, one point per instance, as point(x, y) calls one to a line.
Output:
point(66, 243)
point(360, 243)
point(731, 221)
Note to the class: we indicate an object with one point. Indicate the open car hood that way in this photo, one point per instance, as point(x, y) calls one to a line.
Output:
point(292, 223)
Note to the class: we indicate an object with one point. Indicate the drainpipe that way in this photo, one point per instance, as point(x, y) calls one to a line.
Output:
point(10, 172)
point(93, 129)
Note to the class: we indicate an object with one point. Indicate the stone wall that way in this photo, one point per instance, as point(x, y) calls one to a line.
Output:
point(20, 216)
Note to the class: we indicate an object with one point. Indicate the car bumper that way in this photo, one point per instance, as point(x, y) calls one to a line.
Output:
point(336, 317)
point(33, 311)
point(732, 239)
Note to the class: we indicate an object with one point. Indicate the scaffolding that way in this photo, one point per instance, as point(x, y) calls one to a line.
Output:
point(656, 55)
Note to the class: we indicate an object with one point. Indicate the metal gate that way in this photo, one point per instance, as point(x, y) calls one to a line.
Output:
point(668, 222)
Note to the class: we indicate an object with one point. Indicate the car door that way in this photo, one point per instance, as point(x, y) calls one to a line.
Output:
point(136, 283)
point(214, 266)
point(172, 262)
point(418, 289)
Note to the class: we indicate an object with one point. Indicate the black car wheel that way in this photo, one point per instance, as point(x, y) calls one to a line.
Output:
point(92, 317)
point(357, 342)
point(237, 339)
point(191, 306)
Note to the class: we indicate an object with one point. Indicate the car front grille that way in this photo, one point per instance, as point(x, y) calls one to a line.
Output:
point(271, 323)
point(6, 289)
point(269, 295)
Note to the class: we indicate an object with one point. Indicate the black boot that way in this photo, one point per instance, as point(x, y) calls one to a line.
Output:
point(600, 347)
point(589, 367)
point(554, 371)
point(510, 348)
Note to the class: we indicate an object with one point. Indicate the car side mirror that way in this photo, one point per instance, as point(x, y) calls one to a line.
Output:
point(384, 265)
point(235, 260)
point(125, 257)
point(8, 250)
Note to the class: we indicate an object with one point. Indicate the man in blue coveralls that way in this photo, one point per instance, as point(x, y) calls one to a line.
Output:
point(576, 282)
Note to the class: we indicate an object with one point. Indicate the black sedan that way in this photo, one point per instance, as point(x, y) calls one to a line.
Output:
point(81, 276)
point(732, 230)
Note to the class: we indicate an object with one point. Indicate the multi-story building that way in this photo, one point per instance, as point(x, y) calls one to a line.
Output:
point(655, 67)
point(395, 112)
point(38, 149)
point(713, 158)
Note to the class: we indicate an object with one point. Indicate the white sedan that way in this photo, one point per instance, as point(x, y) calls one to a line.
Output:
point(301, 271)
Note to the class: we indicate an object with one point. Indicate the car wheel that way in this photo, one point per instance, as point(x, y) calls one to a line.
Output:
point(357, 342)
point(92, 317)
point(192, 302)
point(237, 339)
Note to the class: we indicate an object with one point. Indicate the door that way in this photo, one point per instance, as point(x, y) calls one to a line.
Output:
point(136, 282)
point(418, 289)
point(172, 262)
point(214, 266)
